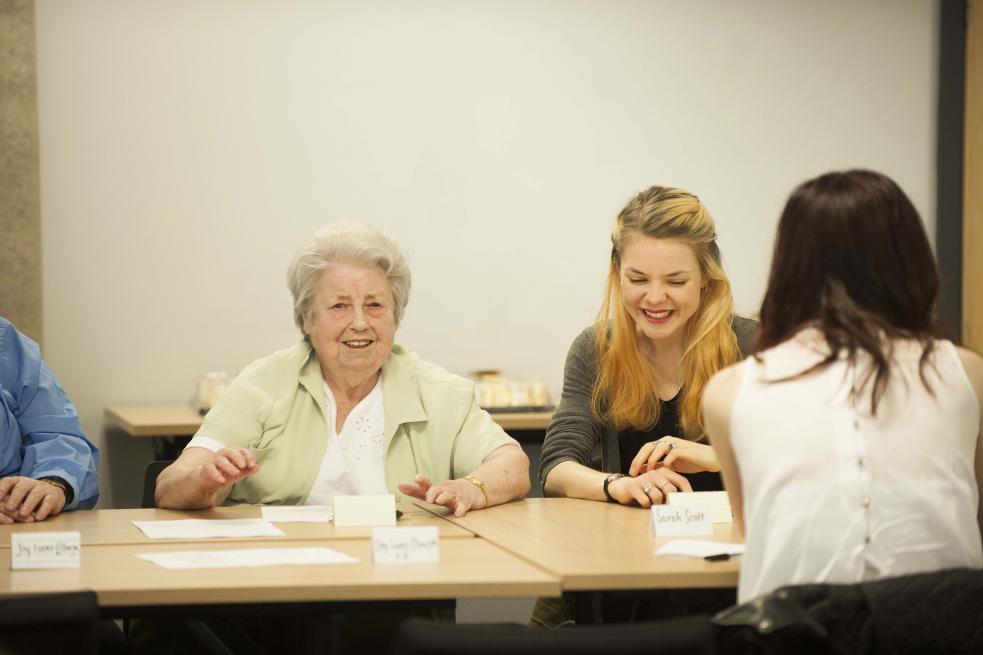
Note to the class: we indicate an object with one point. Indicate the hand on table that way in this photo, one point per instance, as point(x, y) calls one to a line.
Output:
point(675, 454)
point(649, 488)
point(25, 499)
point(226, 467)
point(457, 495)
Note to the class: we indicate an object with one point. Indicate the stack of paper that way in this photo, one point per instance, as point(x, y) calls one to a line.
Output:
point(297, 513)
point(216, 559)
point(714, 501)
point(208, 528)
point(697, 548)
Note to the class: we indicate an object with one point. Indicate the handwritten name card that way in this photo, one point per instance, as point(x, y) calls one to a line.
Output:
point(367, 510)
point(670, 521)
point(716, 502)
point(405, 545)
point(45, 550)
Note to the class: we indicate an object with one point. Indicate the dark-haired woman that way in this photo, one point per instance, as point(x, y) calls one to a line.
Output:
point(850, 444)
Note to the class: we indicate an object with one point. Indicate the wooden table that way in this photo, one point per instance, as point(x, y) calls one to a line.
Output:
point(604, 547)
point(170, 425)
point(522, 420)
point(468, 568)
point(115, 526)
point(534, 547)
point(597, 546)
point(177, 420)
point(181, 420)
point(126, 585)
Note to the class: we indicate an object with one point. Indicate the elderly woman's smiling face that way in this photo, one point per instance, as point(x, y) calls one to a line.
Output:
point(351, 322)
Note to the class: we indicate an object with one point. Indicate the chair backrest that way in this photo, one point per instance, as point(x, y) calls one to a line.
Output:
point(50, 623)
point(150, 480)
point(935, 612)
point(688, 636)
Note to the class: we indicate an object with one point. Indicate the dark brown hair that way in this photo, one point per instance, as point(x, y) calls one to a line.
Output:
point(852, 259)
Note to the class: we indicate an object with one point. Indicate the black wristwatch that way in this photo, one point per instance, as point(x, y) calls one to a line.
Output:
point(608, 480)
point(61, 484)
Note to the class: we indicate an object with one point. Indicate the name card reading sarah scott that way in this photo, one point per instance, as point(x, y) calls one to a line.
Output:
point(368, 510)
point(405, 545)
point(45, 550)
point(670, 521)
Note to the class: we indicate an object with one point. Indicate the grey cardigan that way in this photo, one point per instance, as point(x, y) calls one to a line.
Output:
point(574, 432)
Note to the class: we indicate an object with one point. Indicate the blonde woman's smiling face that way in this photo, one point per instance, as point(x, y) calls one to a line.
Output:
point(660, 286)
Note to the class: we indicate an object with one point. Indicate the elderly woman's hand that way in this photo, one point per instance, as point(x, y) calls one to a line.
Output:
point(200, 478)
point(457, 495)
point(226, 467)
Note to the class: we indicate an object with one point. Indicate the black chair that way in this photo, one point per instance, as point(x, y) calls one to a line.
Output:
point(193, 634)
point(150, 480)
point(918, 614)
point(688, 636)
point(51, 624)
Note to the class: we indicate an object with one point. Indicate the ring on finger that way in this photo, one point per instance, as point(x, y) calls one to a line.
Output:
point(646, 489)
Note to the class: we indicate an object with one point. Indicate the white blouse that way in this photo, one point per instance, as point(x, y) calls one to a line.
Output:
point(835, 494)
point(353, 462)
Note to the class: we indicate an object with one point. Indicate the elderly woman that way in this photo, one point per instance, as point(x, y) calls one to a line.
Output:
point(345, 410)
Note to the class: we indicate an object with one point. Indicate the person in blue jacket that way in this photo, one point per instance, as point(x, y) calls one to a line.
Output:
point(47, 464)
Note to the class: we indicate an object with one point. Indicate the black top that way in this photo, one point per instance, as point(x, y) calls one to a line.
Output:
point(631, 440)
point(576, 435)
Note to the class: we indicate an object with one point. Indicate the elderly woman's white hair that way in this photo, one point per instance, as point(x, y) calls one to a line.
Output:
point(357, 244)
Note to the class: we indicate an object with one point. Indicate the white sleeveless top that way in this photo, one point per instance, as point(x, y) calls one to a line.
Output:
point(834, 494)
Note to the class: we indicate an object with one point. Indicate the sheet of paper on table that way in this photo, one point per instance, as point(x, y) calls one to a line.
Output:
point(208, 528)
point(298, 513)
point(229, 558)
point(699, 548)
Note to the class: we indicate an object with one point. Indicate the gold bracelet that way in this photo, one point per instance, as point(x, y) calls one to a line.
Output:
point(481, 485)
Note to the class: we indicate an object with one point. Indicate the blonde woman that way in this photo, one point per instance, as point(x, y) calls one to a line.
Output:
point(634, 380)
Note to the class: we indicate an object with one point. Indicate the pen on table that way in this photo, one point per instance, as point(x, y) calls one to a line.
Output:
point(719, 557)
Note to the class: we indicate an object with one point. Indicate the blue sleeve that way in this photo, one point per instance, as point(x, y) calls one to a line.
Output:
point(52, 442)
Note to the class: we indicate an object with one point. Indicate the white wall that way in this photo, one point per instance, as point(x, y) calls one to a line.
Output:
point(188, 147)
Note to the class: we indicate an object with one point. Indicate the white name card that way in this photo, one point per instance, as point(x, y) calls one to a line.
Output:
point(716, 502)
point(405, 545)
point(368, 510)
point(670, 521)
point(45, 550)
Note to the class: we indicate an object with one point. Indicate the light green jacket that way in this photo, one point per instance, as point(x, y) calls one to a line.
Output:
point(275, 408)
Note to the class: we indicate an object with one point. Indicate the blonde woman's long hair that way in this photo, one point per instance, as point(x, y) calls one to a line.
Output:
point(626, 393)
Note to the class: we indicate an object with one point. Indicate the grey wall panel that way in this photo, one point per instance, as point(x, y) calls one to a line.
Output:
point(20, 223)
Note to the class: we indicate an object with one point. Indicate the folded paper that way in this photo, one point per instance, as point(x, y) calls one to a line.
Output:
point(230, 558)
point(208, 528)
